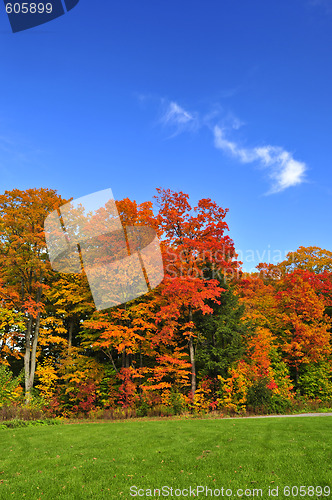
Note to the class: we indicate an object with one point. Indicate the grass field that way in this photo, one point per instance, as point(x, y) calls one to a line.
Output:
point(104, 460)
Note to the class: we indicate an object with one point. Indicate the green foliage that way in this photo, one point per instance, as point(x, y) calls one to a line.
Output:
point(279, 405)
point(315, 381)
point(261, 399)
point(16, 423)
point(220, 338)
point(281, 373)
point(107, 387)
point(10, 389)
point(163, 411)
point(143, 408)
point(177, 402)
point(259, 396)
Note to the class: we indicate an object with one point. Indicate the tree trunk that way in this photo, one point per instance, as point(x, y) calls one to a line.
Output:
point(109, 354)
point(192, 357)
point(296, 376)
point(27, 359)
point(30, 355)
point(70, 334)
point(193, 366)
point(34, 352)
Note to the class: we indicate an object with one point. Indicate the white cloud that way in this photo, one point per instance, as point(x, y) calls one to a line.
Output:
point(281, 167)
point(176, 114)
point(284, 170)
point(177, 117)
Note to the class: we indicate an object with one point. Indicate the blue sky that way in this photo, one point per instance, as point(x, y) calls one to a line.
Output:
point(225, 99)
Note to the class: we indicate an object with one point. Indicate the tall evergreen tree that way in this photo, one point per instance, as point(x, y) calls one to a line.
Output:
point(220, 341)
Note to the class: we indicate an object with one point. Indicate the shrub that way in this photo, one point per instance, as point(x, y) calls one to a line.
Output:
point(10, 389)
point(142, 408)
point(280, 405)
point(177, 402)
point(315, 382)
point(204, 398)
point(161, 411)
point(233, 390)
point(20, 413)
point(259, 396)
point(15, 423)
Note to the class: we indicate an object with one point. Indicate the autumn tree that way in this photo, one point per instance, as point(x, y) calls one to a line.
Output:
point(12, 325)
point(192, 238)
point(313, 259)
point(68, 303)
point(123, 333)
point(24, 265)
point(306, 329)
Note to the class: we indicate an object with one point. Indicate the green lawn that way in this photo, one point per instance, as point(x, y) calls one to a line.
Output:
point(104, 460)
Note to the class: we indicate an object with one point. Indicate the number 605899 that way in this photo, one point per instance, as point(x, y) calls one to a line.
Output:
point(29, 8)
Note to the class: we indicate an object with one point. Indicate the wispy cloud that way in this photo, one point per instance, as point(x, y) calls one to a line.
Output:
point(178, 118)
point(176, 114)
point(284, 170)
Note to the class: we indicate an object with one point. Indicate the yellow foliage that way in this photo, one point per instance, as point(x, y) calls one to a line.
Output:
point(47, 378)
point(234, 389)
